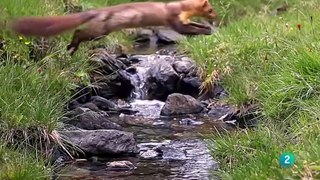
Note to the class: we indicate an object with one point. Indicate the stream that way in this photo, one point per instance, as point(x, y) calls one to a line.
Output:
point(170, 147)
point(185, 155)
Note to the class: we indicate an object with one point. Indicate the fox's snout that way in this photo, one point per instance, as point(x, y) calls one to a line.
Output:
point(212, 16)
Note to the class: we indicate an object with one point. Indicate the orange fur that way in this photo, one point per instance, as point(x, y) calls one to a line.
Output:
point(50, 25)
point(100, 22)
point(200, 8)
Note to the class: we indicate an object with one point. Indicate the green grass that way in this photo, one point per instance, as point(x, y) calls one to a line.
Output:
point(21, 164)
point(36, 79)
point(233, 10)
point(260, 56)
point(266, 59)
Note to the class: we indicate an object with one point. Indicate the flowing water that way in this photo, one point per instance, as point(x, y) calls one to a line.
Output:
point(184, 154)
point(170, 148)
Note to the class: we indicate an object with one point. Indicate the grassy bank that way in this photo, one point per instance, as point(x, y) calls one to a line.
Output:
point(273, 60)
point(36, 77)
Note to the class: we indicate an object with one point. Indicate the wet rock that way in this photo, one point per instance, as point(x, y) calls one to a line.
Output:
point(107, 63)
point(134, 60)
point(82, 94)
point(87, 119)
point(177, 104)
point(124, 60)
point(110, 78)
point(59, 156)
point(183, 66)
point(216, 92)
point(120, 166)
point(102, 142)
point(190, 86)
point(161, 35)
point(168, 36)
point(150, 150)
point(139, 34)
point(245, 117)
point(91, 106)
point(161, 80)
point(102, 103)
point(138, 58)
point(149, 154)
point(73, 104)
point(116, 85)
point(136, 120)
point(248, 116)
point(190, 122)
point(131, 70)
point(220, 110)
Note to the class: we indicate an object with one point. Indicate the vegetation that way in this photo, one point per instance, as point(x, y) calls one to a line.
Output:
point(21, 164)
point(261, 55)
point(272, 59)
point(36, 78)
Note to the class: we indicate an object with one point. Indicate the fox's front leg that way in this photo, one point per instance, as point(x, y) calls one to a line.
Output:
point(184, 17)
point(199, 25)
point(189, 29)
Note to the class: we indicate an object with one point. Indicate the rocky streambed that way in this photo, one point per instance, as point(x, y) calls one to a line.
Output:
point(143, 117)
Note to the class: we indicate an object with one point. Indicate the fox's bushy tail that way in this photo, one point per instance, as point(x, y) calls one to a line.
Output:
point(50, 25)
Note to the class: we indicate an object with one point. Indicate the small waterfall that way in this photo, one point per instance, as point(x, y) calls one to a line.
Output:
point(139, 77)
point(138, 81)
point(139, 102)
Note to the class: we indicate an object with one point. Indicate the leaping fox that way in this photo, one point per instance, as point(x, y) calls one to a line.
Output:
point(102, 21)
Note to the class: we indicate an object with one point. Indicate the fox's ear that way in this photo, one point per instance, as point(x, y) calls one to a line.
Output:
point(205, 3)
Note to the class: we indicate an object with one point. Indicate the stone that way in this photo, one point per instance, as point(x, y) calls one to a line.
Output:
point(149, 154)
point(220, 110)
point(216, 92)
point(90, 120)
point(161, 81)
point(91, 106)
point(73, 105)
point(190, 86)
point(178, 104)
point(120, 166)
point(168, 36)
point(103, 142)
point(183, 66)
point(103, 103)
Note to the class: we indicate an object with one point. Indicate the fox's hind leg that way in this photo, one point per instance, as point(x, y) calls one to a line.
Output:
point(92, 32)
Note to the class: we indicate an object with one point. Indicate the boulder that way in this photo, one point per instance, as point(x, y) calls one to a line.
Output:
point(102, 142)
point(103, 103)
point(178, 104)
point(161, 80)
point(190, 86)
point(184, 67)
point(85, 118)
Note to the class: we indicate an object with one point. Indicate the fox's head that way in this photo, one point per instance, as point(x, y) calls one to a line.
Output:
point(205, 9)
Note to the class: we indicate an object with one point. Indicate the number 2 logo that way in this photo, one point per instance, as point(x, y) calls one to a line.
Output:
point(287, 159)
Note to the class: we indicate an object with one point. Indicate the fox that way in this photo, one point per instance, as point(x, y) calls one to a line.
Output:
point(94, 24)
point(200, 8)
